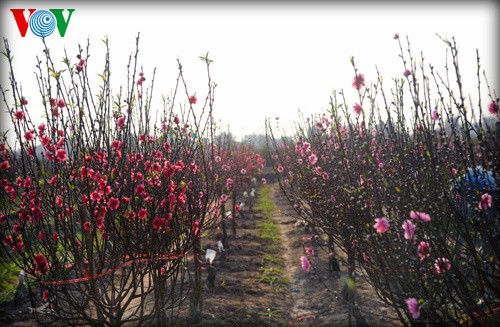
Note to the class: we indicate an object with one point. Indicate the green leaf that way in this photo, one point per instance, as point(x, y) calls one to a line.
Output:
point(102, 76)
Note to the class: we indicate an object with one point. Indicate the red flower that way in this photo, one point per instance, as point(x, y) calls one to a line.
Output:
point(223, 198)
point(113, 203)
point(59, 201)
point(120, 122)
point(41, 264)
point(19, 115)
point(95, 196)
point(41, 129)
point(4, 165)
point(493, 107)
point(45, 295)
point(24, 101)
point(359, 81)
point(28, 136)
point(139, 189)
point(141, 79)
point(53, 180)
point(61, 155)
point(87, 225)
point(193, 99)
point(49, 155)
point(159, 222)
point(61, 104)
point(196, 228)
point(79, 66)
point(143, 213)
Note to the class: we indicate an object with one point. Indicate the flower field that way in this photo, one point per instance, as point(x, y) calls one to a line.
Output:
point(384, 211)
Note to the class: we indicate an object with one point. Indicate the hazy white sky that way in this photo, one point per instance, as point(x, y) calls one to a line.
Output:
point(269, 59)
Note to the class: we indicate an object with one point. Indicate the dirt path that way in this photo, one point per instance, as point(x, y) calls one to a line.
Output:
point(316, 296)
point(313, 300)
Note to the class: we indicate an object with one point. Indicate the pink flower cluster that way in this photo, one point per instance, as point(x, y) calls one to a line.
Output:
point(357, 109)
point(41, 264)
point(420, 215)
point(80, 65)
point(423, 250)
point(486, 201)
point(305, 263)
point(359, 81)
point(493, 107)
point(381, 225)
point(412, 305)
point(141, 79)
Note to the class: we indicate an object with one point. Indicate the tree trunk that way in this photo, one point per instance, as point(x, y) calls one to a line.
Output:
point(224, 229)
point(197, 299)
point(333, 264)
point(233, 215)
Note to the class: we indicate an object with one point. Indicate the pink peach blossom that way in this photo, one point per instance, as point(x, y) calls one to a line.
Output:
point(359, 81)
point(423, 250)
point(313, 159)
point(409, 229)
point(381, 225)
point(357, 108)
point(113, 203)
point(412, 304)
point(486, 201)
point(305, 263)
point(442, 265)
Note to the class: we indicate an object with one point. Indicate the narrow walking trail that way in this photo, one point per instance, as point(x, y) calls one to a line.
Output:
point(262, 284)
point(316, 296)
point(313, 299)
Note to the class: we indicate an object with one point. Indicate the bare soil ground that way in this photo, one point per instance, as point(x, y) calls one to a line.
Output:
point(242, 297)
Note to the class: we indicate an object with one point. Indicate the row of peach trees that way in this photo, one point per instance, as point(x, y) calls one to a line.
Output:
point(102, 205)
point(405, 182)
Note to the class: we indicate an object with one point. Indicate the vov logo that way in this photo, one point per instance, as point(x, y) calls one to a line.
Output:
point(42, 23)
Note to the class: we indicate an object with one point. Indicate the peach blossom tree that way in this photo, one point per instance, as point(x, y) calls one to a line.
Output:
point(100, 203)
